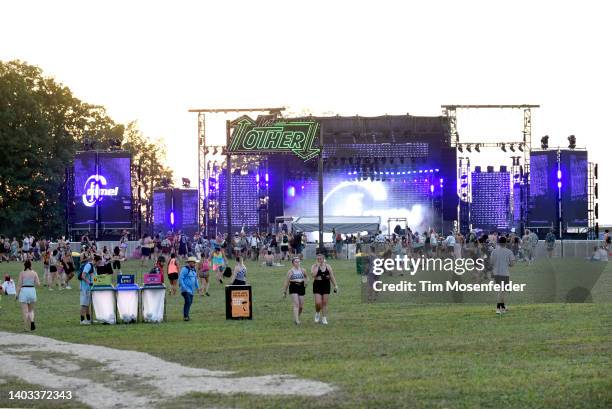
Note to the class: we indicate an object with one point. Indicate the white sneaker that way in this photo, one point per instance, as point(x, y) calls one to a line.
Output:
point(498, 311)
point(85, 322)
point(68, 287)
point(317, 317)
point(324, 320)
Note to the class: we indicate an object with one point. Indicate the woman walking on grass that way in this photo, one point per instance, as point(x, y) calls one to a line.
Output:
point(240, 271)
point(218, 263)
point(322, 277)
point(173, 273)
point(26, 294)
point(296, 282)
point(204, 274)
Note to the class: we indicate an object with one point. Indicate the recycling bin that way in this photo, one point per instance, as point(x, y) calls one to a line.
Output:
point(103, 299)
point(153, 294)
point(127, 298)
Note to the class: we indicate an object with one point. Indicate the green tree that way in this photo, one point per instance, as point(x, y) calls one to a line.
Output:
point(42, 126)
point(148, 171)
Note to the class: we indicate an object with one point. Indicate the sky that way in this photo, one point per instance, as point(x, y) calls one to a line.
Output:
point(151, 61)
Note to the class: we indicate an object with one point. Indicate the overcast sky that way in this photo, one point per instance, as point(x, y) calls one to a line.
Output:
point(152, 61)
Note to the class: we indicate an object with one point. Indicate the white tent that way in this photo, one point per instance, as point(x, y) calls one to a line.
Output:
point(340, 224)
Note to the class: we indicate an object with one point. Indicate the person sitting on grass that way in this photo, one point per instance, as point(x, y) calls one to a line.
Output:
point(8, 286)
point(269, 259)
point(188, 281)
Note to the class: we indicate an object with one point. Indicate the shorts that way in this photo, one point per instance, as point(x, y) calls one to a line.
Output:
point(116, 265)
point(321, 287)
point(284, 248)
point(145, 251)
point(27, 295)
point(85, 298)
point(173, 276)
point(501, 279)
point(297, 288)
point(53, 269)
point(203, 274)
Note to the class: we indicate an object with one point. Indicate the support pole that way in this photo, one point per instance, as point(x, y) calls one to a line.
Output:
point(228, 181)
point(320, 176)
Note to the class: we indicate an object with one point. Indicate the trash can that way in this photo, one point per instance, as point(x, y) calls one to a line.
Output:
point(127, 298)
point(360, 263)
point(238, 302)
point(153, 298)
point(76, 260)
point(103, 299)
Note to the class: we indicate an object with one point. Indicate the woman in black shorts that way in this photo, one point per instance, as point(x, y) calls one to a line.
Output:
point(322, 278)
point(296, 282)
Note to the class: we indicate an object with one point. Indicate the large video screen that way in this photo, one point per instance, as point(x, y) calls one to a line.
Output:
point(116, 204)
point(174, 210)
point(490, 209)
point(574, 188)
point(402, 195)
point(543, 189)
point(85, 165)
point(102, 189)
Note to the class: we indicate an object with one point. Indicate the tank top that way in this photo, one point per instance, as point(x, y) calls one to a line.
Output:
point(218, 260)
point(323, 274)
point(241, 274)
point(204, 266)
point(28, 282)
point(172, 267)
point(296, 275)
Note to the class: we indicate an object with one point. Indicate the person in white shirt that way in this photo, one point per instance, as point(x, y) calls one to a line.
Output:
point(8, 285)
point(599, 254)
point(380, 238)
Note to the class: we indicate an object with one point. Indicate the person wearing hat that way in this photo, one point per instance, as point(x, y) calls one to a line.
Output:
point(188, 282)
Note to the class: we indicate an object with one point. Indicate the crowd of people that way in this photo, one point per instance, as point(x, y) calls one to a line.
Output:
point(189, 263)
point(249, 246)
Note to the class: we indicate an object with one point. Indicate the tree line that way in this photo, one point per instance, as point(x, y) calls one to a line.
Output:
point(42, 126)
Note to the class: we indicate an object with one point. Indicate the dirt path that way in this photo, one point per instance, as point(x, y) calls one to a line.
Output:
point(95, 374)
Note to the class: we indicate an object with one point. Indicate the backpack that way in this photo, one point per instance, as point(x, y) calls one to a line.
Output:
point(81, 268)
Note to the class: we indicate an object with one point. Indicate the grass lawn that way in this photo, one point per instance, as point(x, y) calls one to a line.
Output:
point(385, 355)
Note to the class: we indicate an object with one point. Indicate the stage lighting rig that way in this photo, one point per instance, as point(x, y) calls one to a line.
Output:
point(477, 148)
point(521, 147)
point(186, 182)
point(512, 147)
point(460, 148)
point(469, 148)
point(544, 142)
point(572, 141)
point(503, 147)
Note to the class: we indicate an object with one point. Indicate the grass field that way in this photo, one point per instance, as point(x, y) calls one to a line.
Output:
point(376, 355)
